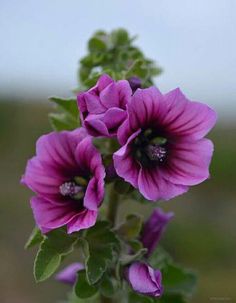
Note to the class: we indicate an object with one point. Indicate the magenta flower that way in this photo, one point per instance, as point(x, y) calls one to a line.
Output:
point(163, 151)
point(145, 280)
point(67, 176)
point(154, 228)
point(103, 107)
point(69, 274)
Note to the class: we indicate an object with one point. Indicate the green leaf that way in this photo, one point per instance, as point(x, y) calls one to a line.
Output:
point(82, 288)
point(68, 105)
point(62, 121)
point(55, 245)
point(68, 116)
point(172, 298)
point(131, 228)
point(107, 286)
point(74, 299)
point(96, 44)
point(100, 246)
point(136, 298)
point(160, 258)
point(138, 69)
point(35, 238)
point(46, 263)
point(119, 37)
point(178, 280)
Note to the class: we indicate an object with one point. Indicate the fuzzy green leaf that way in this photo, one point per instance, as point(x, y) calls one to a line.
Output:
point(119, 37)
point(46, 263)
point(68, 105)
point(82, 288)
point(67, 117)
point(102, 244)
point(178, 280)
point(107, 286)
point(96, 44)
point(136, 298)
point(62, 121)
point(169, 298)
point(35, 238)
point(55, 245)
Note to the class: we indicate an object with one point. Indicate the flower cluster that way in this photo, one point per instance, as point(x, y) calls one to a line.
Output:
point(162, 152)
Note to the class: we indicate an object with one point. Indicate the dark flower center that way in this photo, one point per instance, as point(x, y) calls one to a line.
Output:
point(150, 149)
point(74, 189)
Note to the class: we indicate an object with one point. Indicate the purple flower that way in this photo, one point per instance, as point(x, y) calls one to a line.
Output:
point(103, 107)
point(144, 279)
point(163, 151)
point(154, 228)
point(67, 176)
point(69, 274)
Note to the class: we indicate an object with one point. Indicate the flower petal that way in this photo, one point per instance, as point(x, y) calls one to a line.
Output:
point(96, 127)
point(153, 186)
point(189, 162)
point(83, 220)
point(144, 107)
point(114, 117)
point(49, 215)
point(124, 163)
point(187, 118)
point(103, 82)
point(141, 280)
point(154, 228)
point(109, 96)
point(57, 148)
point(94, 194)
point(68, 274)
point(47, 182)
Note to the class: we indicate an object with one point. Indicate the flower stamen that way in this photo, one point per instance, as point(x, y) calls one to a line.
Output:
point(71, 189)
point(156, 152)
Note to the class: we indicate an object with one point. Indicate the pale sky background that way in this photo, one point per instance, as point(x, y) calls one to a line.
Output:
point(193, 40)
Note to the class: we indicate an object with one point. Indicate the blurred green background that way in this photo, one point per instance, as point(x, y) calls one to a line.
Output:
point(202, 235)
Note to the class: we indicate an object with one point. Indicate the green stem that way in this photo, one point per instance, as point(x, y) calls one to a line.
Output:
point(113, 206)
